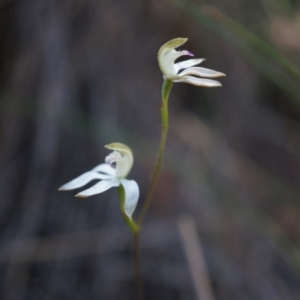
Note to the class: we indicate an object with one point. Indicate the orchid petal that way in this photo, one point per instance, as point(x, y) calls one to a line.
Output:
point(106, 169)
point(99, 187)
point(132, 193)
point(81, 180)
point(188, 63)
point(202, 72)
point(199, 81)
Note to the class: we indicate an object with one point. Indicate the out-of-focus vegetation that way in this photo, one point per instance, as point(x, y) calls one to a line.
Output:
point(224, 222)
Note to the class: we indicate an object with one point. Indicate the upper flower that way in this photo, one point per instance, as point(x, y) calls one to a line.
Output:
point(184, 71)
point(112, 174)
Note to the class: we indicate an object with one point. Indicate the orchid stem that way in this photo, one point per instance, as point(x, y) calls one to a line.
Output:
point(138, 266)
point(166, 89)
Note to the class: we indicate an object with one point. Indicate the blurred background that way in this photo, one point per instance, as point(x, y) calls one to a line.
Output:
point(224, 223)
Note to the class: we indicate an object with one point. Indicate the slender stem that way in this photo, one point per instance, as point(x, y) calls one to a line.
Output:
point(138, 266)
point(166, 89)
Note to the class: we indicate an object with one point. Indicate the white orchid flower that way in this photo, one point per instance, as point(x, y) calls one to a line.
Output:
point(184, 71)
point(112, 174)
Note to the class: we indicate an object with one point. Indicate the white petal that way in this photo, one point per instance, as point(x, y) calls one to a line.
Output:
point(202, 72)
point(199, 81)
point(81, 180)
point(132, 194)
point(105, 168)
point(188, 63)
point(98, 188)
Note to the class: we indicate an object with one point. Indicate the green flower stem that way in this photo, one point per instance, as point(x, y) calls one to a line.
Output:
point(166, 89)
point(138, 265)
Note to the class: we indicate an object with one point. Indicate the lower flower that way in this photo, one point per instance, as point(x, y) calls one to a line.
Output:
point(112, 174)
